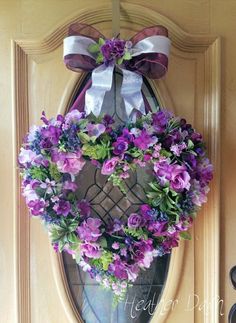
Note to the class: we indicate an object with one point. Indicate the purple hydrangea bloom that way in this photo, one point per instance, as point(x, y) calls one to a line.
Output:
point(62, 207)
point(89, 230)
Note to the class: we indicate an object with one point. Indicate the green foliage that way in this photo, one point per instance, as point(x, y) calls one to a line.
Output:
point(64, 233)
point(165, 199)
point(185, 235)
point(117, 181)
point(54, 173)
point(136, 233)
point(39, 173)
point(99, 151)
point(106, 259)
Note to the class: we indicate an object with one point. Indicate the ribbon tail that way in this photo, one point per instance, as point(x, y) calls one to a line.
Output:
point(131, 92)
point(101, 83)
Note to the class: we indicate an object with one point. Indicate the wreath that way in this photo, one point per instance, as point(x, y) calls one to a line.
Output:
point(114, 253)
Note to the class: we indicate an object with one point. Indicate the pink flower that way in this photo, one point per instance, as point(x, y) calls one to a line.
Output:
point(109, 165)
point(89, 229)
point(180, 178)
point(70, 163)
point(90, 250)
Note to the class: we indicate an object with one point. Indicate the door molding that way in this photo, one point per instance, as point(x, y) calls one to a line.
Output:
point(133, 17)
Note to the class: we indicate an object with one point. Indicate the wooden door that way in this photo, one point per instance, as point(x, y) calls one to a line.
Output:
point(190, 89)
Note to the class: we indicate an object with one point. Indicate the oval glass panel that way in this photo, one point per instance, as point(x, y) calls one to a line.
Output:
point(94, 303)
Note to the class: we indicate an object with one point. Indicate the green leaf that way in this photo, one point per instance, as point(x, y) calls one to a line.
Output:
point(103, 242)
point(101, 41)
point(127, 56)
point(99, 58)
point(84, 138)
point(185, 235)
point(72, 238)
point(61, 245)
point(39, 173)
point(190, 144)
point(120, 61)
point(54, 173)
point(94, 48)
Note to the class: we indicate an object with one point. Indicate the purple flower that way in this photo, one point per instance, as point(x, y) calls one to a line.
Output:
point(198, 193)
point(144, 140)
point(118, 269)
point(70, 186)
point(180, 178)
point(160, 120)
point(62, 207)
point(26, 156)
point(145, 211)
point(158, 228)
point(29, 191)
point(37, 207)
point(89, 229)
point(116, 245)
point(135, 221)
point(113, 49)
point(69, 162)
point(204, 171)
point(120, 146)
point(95, 130)
point(72, 117)
point(127, 135)
point(84, 208)
point(163, 170)
point(109, 165)
point(52, 134)
point(90, 250)
point(178, 148)
point(108, 120)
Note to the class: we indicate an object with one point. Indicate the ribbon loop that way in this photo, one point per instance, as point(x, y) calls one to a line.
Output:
point(148, 56)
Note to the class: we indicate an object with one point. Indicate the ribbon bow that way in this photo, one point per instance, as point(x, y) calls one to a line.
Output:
point(146, 54)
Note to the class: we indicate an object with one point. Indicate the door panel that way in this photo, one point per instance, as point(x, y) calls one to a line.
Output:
point(190, 89)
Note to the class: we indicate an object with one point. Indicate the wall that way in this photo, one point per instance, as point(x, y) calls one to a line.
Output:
point(25, 19)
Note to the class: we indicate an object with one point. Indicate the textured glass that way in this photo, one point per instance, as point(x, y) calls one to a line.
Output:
point(95, 304)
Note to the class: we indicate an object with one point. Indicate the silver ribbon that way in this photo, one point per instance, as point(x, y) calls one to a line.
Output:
point(102, 75)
